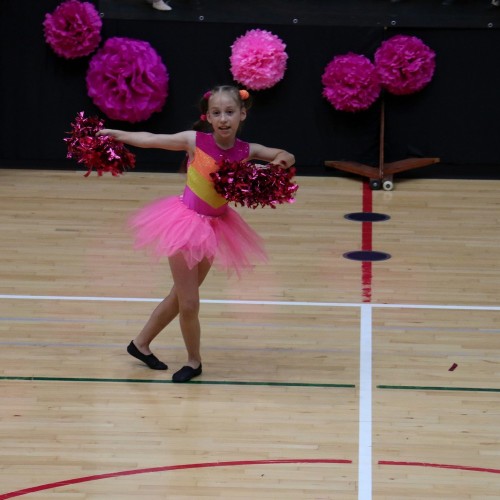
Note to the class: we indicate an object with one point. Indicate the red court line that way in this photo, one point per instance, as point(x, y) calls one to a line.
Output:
point(367, 197)
point(441, 466)
point(366, 244)
point(97, 477)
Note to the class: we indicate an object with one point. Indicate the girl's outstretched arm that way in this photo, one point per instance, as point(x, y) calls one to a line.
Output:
point(272, 155)
point(182, 141)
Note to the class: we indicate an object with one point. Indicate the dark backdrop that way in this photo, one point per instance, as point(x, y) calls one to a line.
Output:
point(454, 117)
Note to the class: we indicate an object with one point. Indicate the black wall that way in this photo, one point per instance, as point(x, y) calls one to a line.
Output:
point(455, 117)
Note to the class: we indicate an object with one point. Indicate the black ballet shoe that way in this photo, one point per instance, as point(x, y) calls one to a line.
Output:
point(150, 359)
point(186, 373)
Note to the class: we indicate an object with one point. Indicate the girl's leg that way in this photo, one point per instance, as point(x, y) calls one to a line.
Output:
point(162, 315)
point(186, 284)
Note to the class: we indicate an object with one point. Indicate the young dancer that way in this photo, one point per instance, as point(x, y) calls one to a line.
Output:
point(197, 229)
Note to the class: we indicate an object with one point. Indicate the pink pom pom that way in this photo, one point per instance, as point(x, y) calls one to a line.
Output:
point(251, 185)
point(73, 29)
point(103, 153)
point(404, 64)
point(127, 80)
point(258, 59)
point(350, 83)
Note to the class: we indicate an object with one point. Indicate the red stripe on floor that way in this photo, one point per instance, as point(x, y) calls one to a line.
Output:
point(97, 477)
point(441, 466)
point(366, 244)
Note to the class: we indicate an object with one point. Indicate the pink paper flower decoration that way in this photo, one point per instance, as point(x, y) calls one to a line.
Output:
point(350, 83)
point(73, 29)
point(127, 80)
point(404, 64)
point(258, 59)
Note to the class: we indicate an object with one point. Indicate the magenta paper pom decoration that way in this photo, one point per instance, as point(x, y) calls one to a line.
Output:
point(258, 59)
point(404, 64)
point(350, 83)
point(73, 29)
point(127, 80)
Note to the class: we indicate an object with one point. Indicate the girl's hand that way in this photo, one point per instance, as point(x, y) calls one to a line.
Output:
point(107, 131)
point(278, 157)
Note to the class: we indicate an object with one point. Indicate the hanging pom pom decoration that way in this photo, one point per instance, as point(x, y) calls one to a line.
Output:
point(404, 64)
point(103, 153)
point(251, 185)
point(258, 59)
point(73, 29)
point(350, 83)
point(127, 80)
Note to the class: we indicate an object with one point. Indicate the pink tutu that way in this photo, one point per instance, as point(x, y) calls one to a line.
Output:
point(167, 226)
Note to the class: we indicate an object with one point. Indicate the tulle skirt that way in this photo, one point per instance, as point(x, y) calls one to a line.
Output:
point(167, 227)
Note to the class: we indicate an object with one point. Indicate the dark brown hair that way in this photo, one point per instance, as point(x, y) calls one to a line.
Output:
point(202, 125)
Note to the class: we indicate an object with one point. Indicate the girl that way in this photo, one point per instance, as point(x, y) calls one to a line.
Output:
point(198, 228)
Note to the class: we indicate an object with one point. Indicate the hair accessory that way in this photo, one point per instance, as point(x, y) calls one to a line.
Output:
point(244, 94)
point(207, 95)
point(203, 118)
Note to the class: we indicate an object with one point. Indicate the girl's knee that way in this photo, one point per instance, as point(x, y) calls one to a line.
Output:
point(189, 308)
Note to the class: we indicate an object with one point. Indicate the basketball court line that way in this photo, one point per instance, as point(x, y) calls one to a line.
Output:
point(365, 405)
point(437, 388)
point(358, 305)
point(440, 466)
point(164, 381)
point(97, 477)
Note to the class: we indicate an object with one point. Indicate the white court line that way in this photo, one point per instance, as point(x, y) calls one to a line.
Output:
point(256, 302)
point(365, 405)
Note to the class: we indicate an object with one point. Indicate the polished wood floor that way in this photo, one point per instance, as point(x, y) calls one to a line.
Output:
point(324, 377)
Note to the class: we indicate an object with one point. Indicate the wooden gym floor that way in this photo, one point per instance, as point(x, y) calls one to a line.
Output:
point(324, 377)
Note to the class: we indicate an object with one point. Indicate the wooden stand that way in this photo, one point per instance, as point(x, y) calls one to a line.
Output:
point(381, 176)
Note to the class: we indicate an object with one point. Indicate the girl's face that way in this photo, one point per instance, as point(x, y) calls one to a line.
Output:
point(225, 115)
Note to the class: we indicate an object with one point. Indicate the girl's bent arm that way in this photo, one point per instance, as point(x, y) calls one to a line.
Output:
point(272, 155)
point(182, 141)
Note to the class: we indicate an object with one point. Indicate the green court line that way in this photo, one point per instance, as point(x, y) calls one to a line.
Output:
point(152, 381)
point(429, 388)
